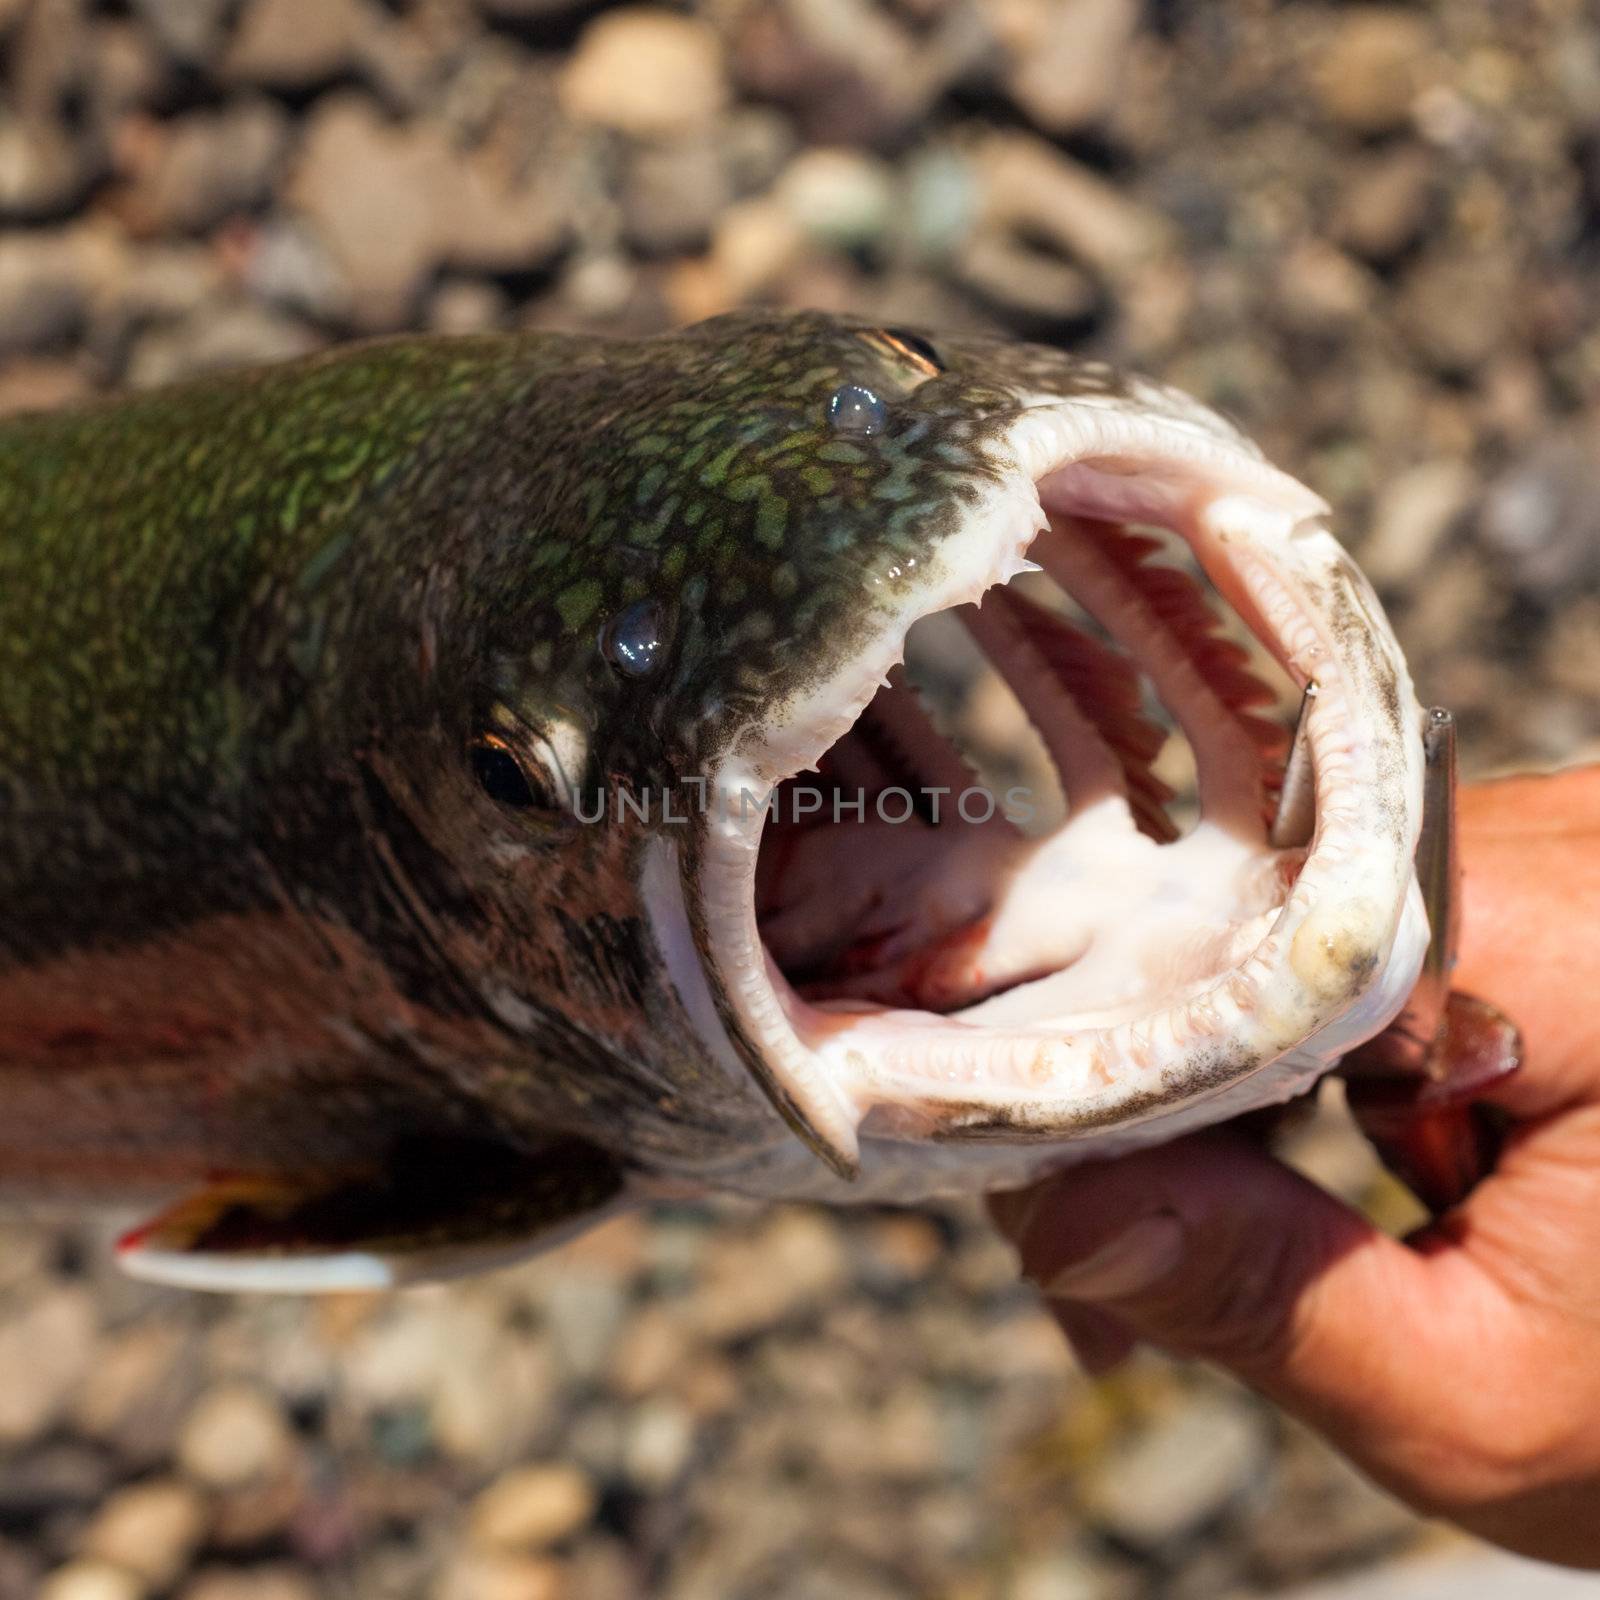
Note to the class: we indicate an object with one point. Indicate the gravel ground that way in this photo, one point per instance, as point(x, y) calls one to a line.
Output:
point(1370, 233)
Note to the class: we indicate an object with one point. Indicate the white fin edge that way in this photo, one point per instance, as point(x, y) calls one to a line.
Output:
point(330, 1274)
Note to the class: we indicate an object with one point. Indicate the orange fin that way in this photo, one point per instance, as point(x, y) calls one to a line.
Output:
point(436, 1208)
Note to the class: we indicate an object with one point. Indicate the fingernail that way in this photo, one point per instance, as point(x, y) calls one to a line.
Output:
point(1137, 1257)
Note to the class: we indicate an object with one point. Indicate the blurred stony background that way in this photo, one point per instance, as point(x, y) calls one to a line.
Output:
point(1370, 233)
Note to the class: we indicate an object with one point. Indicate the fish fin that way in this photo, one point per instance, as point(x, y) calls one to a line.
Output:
point(435, 1208)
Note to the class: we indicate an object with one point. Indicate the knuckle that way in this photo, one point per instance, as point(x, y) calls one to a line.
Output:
point(1488, 1454)
point(1236, 1304)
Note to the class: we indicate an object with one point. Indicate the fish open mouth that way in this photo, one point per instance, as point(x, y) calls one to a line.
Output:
point(903, 950)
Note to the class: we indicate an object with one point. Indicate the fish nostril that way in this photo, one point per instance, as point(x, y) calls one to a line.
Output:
point(634, 640)
point(855, 409)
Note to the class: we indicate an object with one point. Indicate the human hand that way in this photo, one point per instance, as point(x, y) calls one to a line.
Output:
point(1461, 1367)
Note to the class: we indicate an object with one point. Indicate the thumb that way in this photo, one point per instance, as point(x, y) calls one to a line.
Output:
point(1209, 1247)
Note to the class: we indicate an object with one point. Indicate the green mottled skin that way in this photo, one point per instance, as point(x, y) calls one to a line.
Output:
point(254, 912)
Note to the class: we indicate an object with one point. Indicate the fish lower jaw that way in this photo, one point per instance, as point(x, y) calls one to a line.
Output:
point(1125, 969)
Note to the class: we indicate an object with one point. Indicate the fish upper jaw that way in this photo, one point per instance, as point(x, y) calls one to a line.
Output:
point(1103, 983)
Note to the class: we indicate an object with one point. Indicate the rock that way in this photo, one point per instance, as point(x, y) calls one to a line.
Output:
point(582, 1311)
point(187, 29)
point(476, 1576)
point(45, 1349)
point(1540, 518)
point(1178, 1474)
point(128, 70)
point(843, 199)
point(531, 1508)
point(40, 169)
point(1026, 188)
point(393, 203)
point(293, 44)
point(33, 385)
point(657, 1445)
point(214, 339)
point(45, 61)
point(258, 1513)
point(850, 72)
point(756, 142)
point(1386, 203)
point(25, 1246)
point(466, 305)
point(1370, 70)
point(1064, 58)
point(1321, 290)
point(1319, 1513)
point(151, 1529)
point(1070, 1575)
point(647, 72)
point(188, 173)
point(371, 191)
point(673, 194)
point(249, 1583)
point(756, 244)
point(601, 1569)
point(793, 1261)
point(654, 1348)
point(496, 1407)
point(52, 1478)
point(285, 262)
point(901, 1248)
point(19, 1570)
point(529, 10)
point(236, 1435)
point(90, 1580)
point(1415, 510)
point(404, 58)
point(1039, 291)
point(1454, 305)
point(43, 295)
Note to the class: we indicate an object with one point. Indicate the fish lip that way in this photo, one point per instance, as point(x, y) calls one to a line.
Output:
point(1329, 988)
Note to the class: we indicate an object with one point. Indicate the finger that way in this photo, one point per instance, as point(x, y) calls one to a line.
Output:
point(1100, 1341)
point(1210, 1248)
point(1530, 891)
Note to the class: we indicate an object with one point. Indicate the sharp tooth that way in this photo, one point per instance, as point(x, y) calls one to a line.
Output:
point(1292, 826)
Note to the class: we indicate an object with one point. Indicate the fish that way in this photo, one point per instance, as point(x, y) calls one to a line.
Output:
point(453, 789)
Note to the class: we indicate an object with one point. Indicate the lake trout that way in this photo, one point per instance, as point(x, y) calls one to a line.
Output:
point(453, 788)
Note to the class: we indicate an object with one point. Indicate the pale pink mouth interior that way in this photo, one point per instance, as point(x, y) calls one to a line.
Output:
point(874, 912)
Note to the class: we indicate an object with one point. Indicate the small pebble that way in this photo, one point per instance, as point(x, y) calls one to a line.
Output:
point(531, 1508)
point(645, 71)
point(151, 1529)
point(236, 1435)
point(1177, 1474)
point(91, 1580)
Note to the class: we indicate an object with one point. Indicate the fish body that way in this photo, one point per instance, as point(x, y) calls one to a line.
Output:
point(394, 752)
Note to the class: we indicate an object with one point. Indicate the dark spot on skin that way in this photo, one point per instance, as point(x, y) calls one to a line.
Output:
point(614, 951)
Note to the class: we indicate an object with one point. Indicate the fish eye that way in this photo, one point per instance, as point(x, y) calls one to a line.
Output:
point(905, 349)
point(914, 347)
point(634, 640)
point(501, 775)
point(854, 409)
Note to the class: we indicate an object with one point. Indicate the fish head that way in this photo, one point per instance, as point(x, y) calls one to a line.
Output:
point(825, 951)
